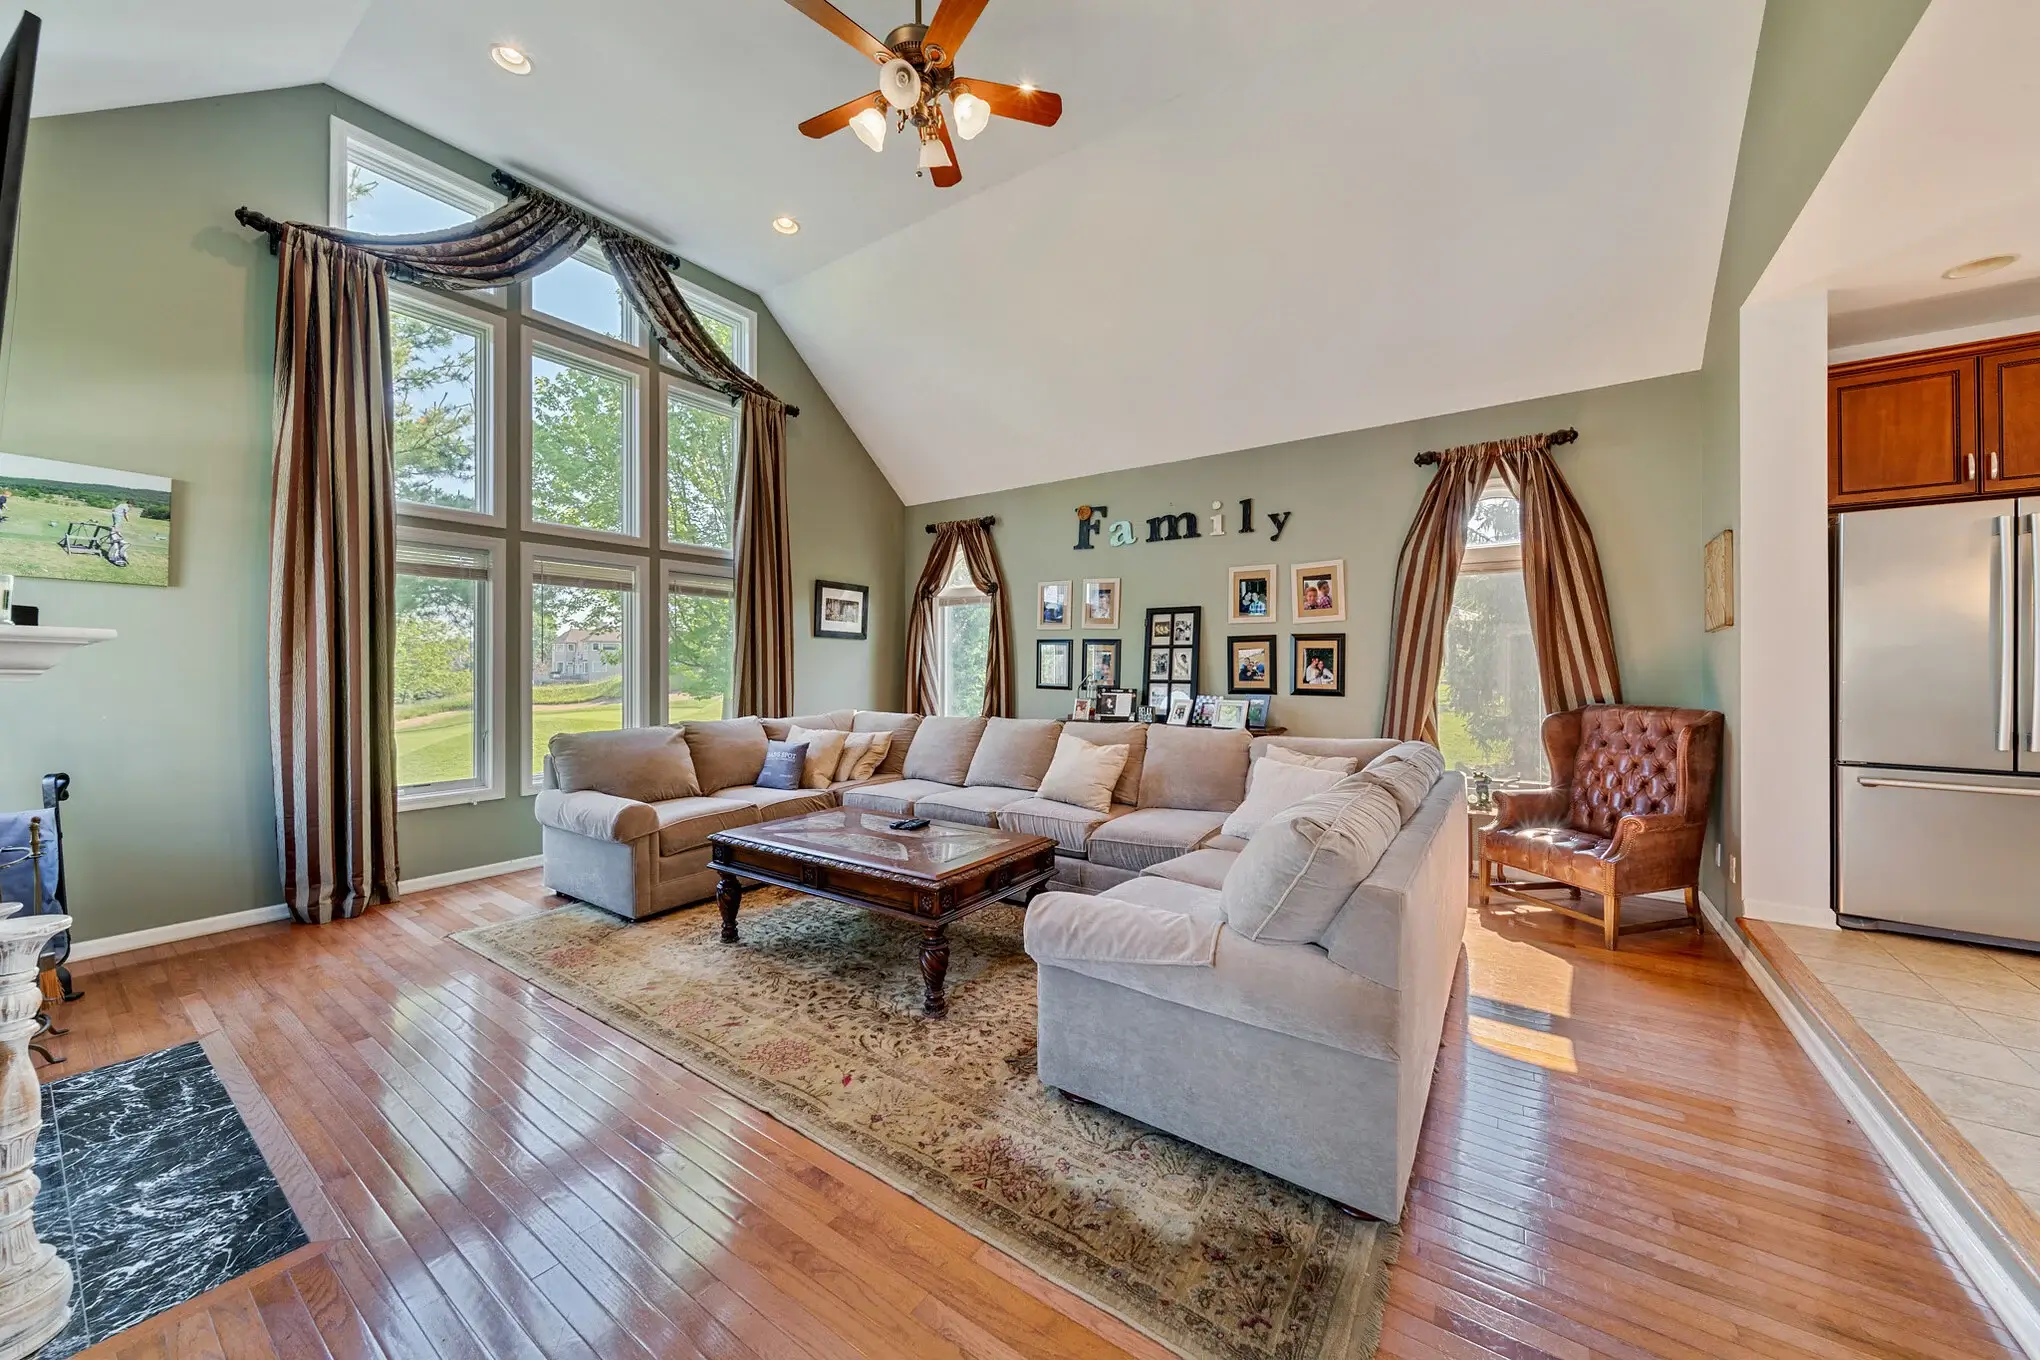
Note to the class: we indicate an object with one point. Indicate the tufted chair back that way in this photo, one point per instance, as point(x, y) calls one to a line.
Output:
point(1628, 759)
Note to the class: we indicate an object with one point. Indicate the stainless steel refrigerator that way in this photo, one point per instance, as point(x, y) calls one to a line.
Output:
point(1937, 719)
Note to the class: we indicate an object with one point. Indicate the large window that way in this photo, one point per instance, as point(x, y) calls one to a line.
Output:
point(964, 623)
point(1490, 714)
point(558, 479)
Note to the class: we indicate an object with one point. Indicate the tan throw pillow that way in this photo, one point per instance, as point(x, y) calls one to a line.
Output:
point(645, 764)
point(863, 753)
point(1282, 755)
point(1274, 787)
point(1083, 773)
point(824, 750)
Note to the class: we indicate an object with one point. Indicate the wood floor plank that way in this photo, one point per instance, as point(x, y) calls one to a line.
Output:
point(1626, 1157)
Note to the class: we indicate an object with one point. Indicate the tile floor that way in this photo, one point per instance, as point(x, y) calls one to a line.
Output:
point(1962, 1021)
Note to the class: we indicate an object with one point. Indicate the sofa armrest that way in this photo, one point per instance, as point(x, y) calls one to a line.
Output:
point(1531, 807)
point(599, 816)
point(1067, 927)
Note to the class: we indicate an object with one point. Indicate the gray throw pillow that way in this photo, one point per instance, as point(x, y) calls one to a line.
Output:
point(1408, 771)
point(1301, 866)
point(644, 764)
point(784, 763)
point(1013, 753)
point(942, 749)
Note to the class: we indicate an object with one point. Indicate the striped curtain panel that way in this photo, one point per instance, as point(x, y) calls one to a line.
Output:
point(973, 539)
point(764, 584)
point(1562, 578)
point(331, 579)
point(1424, 580)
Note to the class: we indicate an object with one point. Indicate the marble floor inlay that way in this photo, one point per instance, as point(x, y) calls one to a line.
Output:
point(153, 1189)
point(1963, 1021)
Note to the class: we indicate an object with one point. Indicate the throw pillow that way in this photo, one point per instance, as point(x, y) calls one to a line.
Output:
point(785, 765)
point(824, 748)
point(942, 748)
point(863, 752)
point(1083, 773)
point(1303, 864)
point(1408, 771)
point(644, 764)
point(1282, 755)
point(1274, 787)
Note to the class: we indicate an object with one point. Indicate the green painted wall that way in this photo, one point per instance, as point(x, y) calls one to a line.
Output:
point(140, 337)
point(1636, 470)
point(1818, 62)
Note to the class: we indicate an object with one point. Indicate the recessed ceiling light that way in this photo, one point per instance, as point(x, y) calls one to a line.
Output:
point(1969, 269)
point(785, 226)
point(511, 59)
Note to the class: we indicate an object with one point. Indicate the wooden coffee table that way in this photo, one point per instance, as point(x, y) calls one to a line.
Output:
point(934, 876)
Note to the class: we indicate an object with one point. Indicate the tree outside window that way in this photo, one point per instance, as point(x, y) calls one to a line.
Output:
point(1490, 709)
point(964, 615)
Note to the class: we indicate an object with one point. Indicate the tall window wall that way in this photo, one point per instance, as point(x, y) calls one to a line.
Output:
point(565, 498)
point(1490, 712)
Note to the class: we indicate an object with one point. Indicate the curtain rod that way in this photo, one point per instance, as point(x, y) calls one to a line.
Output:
point(1555, 438)
point(987, 522)
point(273, 229)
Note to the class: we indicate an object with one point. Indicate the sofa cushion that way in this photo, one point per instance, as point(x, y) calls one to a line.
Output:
point(1068, 826)
point(773, 804)
point(973, 807)
point(1013, 753)
point(1299, 869)
point(1224, 842)
point(1283, 755)
point(942, 749)
point(785, 765)
point(825, 752)
point(894, 797)
point(863, 753)
point(725, 753)
point(1408, 771)
point(1133, 736)
point(599, 816)
point(685, 823)
point(1069, 927)
point(1420, 873)
point(1273, 786)
point(1206, 868)
point(901, 725)
point(1170, 894)
point(1203, 769)
point(1150, 836)
point(1362, 749)
point(643, 764)
point(1085, 773)
point(838, 720)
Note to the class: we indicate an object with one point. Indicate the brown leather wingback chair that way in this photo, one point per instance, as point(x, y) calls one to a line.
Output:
point(1626, 812)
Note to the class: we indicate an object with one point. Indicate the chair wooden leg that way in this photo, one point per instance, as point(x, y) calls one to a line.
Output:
point(1693, 909)
point(1487, 879)
point(1611, 914)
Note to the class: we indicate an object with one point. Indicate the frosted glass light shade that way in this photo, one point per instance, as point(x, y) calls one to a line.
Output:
point(870, 129)
point(972, 114)
point(934, 155)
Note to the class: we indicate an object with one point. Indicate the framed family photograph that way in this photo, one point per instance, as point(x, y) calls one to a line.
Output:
point(1101, 603)
point(1101, 663)
point(1230, 713)
point(1052, 604)
point(1252, 595)
point(1250, 665)
point(1318, 592)
point(1180, 704)
point(1158, 697)
point(842, 610)
point(1317, 664)
point(1052, 663)
point(1257, 711)
point(1173, 651)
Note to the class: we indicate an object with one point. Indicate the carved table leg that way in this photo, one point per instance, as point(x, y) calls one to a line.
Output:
point(35, 1283)
point(934, 969)
point(728, 892)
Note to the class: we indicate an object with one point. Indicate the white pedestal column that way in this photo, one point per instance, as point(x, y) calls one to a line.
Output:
point(35, 1283)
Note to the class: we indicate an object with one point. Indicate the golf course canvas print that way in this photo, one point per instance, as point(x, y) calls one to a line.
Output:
point(70, 522)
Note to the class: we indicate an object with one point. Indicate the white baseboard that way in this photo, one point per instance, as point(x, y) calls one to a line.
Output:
point(182, 930)
point(235, 920)
point(1789, 913)
point(2015, 1303)
point(453, 876)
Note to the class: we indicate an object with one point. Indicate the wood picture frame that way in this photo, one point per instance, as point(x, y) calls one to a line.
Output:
point(842, 610)
point(1317, 592)
point(1095, 675)
point(1720, 572)
point(1100, 604)
point(1052, 606)
point(1242, 674)
point(1052, 662)
point(1317, 664)
point(1252, 595)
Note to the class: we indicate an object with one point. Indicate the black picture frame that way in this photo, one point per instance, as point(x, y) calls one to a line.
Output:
point(1299, 644)
point(1043, 647)
point(1181, 663)
point(1111, 681)
point(863, 594)
point(1266, 685)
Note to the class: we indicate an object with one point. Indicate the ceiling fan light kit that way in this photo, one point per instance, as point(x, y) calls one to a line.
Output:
point(916, 69)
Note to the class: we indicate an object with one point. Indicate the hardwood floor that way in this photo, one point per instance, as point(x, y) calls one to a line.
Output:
point(1626, 1156)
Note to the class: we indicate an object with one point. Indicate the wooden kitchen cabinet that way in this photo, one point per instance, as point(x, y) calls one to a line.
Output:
point(2010, 433)
point(1905, 429)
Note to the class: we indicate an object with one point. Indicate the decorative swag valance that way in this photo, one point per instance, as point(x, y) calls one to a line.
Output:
point(332, 517)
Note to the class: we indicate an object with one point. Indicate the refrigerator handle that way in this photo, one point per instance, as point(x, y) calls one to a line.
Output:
point(2008, 635)
point(2033, 604)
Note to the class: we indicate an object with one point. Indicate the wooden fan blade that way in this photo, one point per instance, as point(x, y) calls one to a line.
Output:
point(838, 118)
point(950, 175)
point(953, 23)
point(844, 27)
point(1010, 101)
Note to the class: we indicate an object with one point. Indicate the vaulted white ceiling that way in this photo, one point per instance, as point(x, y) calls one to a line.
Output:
point(1254, 223)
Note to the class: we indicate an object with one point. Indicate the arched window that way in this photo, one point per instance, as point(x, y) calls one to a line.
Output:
point(963, 615)
point(1489, 709)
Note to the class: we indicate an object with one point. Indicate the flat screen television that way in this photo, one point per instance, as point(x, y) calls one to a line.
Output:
point(17, 84)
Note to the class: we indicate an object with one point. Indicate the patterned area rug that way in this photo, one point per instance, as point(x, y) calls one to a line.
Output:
point(816, 1019)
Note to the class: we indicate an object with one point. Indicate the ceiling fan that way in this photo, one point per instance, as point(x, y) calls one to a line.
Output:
point(917, 66)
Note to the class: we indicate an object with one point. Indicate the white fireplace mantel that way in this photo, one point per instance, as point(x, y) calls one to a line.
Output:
point(27, 652)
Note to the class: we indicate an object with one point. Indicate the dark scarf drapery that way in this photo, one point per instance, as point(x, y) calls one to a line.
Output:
point(332, 623)
point(973, 539)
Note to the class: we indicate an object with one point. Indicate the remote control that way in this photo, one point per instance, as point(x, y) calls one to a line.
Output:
point(910, 824)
